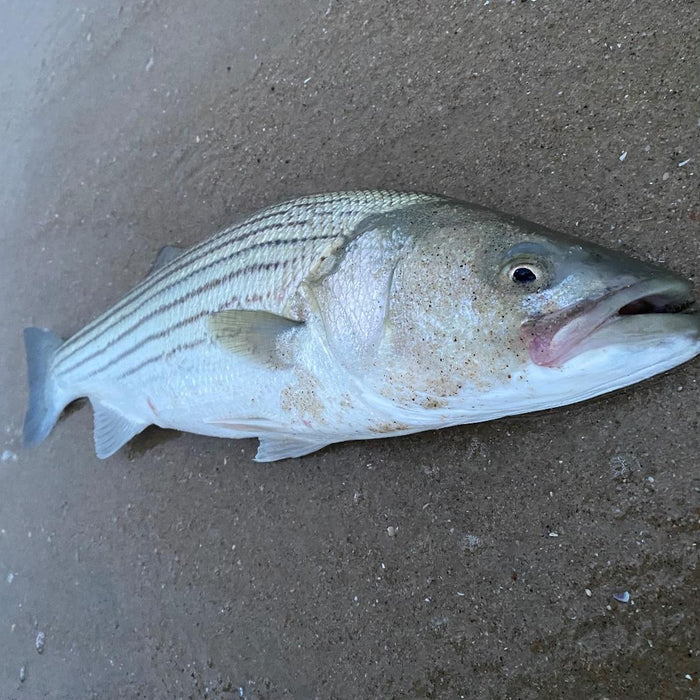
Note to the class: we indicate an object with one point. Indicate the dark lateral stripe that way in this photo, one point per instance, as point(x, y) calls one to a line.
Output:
point(148, 284)
point(211, 245)
point(207, 286)
point(185, 297)
point(157, 358)
point(158, 335)
point(270, 213)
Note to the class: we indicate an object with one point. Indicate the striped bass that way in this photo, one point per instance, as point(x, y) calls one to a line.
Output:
point(357, 315)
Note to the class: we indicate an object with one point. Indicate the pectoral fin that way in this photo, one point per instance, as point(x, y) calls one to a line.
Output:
point(253, 334)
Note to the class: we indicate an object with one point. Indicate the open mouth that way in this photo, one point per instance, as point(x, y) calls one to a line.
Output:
point(654, 305)
point(555, 338)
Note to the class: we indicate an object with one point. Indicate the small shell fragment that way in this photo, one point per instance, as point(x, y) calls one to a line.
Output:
point(623, 597)
point(40, 642)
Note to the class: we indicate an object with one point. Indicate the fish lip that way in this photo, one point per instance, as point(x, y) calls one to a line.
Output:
point(554, 338)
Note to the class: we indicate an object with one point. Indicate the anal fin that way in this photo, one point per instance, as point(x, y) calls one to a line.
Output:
point(112, 429)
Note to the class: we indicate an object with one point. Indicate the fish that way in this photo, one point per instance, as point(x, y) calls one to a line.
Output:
point(363, 314)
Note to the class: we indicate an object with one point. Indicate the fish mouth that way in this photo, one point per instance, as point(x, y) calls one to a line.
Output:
point(636, 313)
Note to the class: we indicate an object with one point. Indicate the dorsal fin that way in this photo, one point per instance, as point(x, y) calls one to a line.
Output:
point(164, 256)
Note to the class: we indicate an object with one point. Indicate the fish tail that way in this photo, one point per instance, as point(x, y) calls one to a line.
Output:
point(45, 405)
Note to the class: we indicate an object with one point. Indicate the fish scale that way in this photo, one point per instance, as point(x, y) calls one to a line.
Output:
point(363, 314)
point(244, 267)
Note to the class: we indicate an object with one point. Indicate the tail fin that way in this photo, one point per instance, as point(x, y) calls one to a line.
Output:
point(44, 408)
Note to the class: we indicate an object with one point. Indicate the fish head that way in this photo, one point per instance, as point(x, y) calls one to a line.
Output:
point(527, 318)
point(574, 297)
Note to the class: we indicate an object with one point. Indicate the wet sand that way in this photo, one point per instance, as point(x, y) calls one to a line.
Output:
point(478, 562)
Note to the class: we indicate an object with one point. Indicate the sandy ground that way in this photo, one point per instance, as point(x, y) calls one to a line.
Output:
point(476, 562)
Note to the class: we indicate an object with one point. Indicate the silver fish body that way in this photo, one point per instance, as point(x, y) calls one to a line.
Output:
point(355, 315)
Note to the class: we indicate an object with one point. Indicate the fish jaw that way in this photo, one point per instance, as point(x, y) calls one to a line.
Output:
point(613, 357)
point(640, 314)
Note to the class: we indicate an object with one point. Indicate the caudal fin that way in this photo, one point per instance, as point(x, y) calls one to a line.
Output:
point(44, 406)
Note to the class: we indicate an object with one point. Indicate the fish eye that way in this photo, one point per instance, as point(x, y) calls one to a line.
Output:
point(523, 273)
